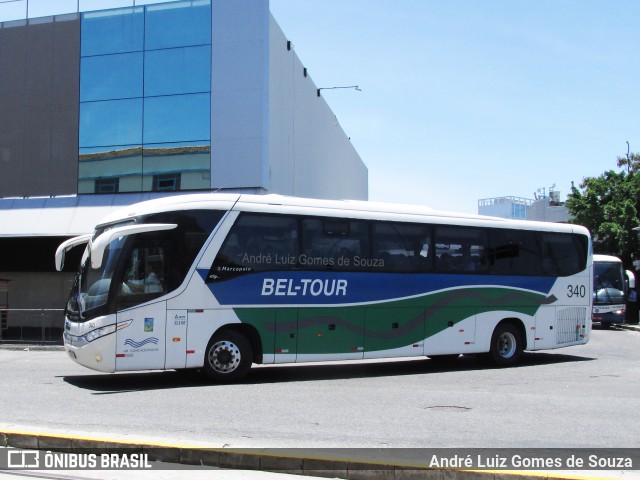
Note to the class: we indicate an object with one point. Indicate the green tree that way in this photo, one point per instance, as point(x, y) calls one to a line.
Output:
point(609, 206)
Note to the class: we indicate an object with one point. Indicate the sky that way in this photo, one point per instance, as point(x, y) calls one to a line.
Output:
point(468, 99)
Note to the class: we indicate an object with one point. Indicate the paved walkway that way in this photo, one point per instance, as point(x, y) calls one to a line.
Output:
point(258, 464)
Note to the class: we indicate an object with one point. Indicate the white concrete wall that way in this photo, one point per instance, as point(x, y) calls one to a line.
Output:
point(239, 93)
point(310, 155)
point(543, 212)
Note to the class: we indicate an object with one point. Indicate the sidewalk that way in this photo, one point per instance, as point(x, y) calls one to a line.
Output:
point(627, 326)
point(251, 463)
point(171, 460)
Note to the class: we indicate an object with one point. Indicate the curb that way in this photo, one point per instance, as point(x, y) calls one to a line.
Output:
point(279, 460)
point(628, 326)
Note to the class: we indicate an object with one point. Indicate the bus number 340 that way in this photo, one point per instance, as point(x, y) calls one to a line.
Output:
point(576, 291)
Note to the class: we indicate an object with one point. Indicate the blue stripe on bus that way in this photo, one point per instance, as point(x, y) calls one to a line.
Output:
point(338, 288)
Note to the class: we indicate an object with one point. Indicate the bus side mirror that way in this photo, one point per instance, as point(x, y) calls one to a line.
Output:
point(99, 245)
point(631, 279)
point(66, 246)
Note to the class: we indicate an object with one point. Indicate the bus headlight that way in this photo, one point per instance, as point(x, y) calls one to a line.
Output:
point(88, 337)
point(99, 332)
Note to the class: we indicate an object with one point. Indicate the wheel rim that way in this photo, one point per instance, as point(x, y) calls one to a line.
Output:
point(507, 345)
point(224, 356)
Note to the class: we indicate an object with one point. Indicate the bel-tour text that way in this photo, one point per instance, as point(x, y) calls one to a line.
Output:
point(287, 287)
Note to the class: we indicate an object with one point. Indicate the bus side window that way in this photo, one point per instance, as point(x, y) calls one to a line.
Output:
point(334, 244)
point(513, 252)
point(561, 255)
point(461, 249)
point(402, 247)
point(257, 243)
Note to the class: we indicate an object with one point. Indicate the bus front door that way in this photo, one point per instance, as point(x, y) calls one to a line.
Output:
point(141, 338)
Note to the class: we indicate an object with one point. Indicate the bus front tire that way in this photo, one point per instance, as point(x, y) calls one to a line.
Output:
point(228, 357)
point(506, 345)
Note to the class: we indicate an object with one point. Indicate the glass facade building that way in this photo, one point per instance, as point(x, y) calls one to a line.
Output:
point(145, 98)
point(105, 103)
point(149, 97)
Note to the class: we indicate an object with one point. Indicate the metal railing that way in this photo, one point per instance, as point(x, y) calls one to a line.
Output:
point(43, 326)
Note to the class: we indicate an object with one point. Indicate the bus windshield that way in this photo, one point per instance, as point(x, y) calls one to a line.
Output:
point(609, 281)
point(138, 267)
point(91, 289)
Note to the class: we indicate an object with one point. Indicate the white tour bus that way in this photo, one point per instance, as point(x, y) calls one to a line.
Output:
point(611, 286)
point(220, 281)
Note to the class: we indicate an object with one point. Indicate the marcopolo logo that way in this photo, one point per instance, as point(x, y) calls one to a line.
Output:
point(303, 287)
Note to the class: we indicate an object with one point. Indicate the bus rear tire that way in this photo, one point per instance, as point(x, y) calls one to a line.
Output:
point(228, 357)
point(506, 345)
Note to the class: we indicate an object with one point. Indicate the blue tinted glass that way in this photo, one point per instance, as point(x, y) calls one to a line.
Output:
point(190, 161)
point(179, 118)
point(177, 70)
point(178, 24)
point(116, 122)
point(120, 165)
point(112, 31)
point(109, 77)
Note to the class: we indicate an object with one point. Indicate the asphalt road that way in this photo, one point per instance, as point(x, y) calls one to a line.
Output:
point(586, 396)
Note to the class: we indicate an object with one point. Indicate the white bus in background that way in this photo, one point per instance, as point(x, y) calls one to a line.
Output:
point(611, 286)
point(219, 281)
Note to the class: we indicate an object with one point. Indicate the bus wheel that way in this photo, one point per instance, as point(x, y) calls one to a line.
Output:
point(229, 356)
point(506, 345)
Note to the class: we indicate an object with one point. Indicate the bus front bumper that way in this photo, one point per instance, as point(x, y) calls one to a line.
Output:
point(98, 355)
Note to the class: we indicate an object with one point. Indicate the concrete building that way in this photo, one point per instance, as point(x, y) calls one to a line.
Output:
point(543, 208)
point(505, 207)
point(104, 103)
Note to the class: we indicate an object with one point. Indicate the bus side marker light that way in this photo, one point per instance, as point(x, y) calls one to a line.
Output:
point(124, 324)
point(176, 339)
point(190, 352)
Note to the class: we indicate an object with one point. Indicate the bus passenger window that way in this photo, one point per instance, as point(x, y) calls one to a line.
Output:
point(402, 247)
point(514, 252)
point(335, 244)
point(257, 243)
point(461, 249)
point(562, 254)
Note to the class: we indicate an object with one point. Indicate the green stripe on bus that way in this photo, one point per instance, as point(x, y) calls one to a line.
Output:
point(379, 326)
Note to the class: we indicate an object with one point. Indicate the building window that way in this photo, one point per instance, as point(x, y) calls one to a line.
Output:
point(107, 185)
point(166, 182)
point(145, 97)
